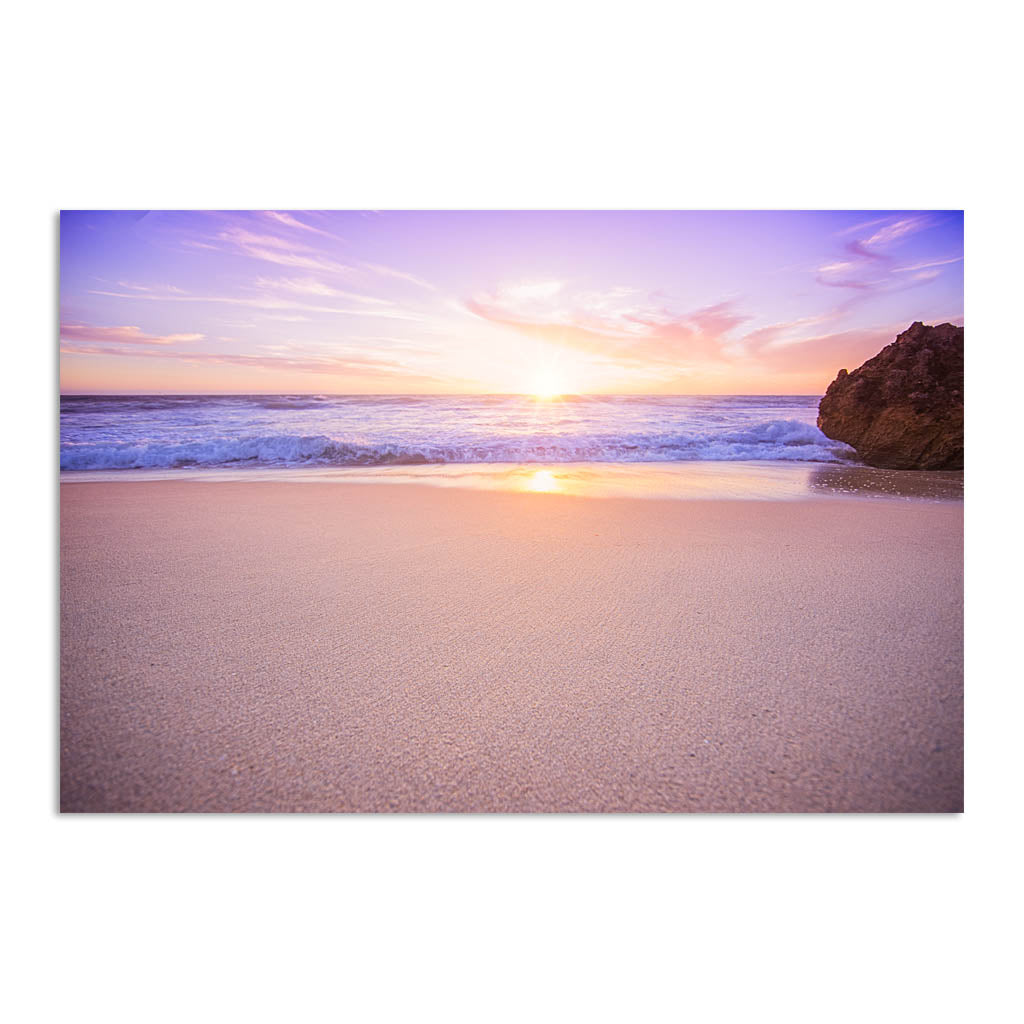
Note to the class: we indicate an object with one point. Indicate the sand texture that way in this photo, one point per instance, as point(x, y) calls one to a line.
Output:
point(282, 646)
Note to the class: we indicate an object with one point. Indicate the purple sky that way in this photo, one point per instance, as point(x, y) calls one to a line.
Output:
point(392, 302)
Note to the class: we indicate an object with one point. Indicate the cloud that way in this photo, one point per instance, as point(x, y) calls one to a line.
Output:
point(866, 266)
point(298, 245)
point(400, 275)
point(272, 302)
point(282, 251)
point(718, 320)
point(312, 286)
point(280, 358)
point(290, 221)
point(640, 335)
point(828, 353)
point(931, 263)
point(873, 247)
point(121, 335)
point(533, 290)
point(856, 229)
point(847, 275)
point(771, 337)
point(890, 233)
point(287, 252)
point(162, 290)
point(242, 238)
point(619, 323)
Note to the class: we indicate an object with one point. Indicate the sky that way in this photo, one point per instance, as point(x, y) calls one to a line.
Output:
point(390, 302)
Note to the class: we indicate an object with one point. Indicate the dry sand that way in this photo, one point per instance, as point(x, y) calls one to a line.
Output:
point(342, 647)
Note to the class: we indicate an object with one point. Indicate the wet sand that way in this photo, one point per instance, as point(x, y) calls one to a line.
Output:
point(280, 646)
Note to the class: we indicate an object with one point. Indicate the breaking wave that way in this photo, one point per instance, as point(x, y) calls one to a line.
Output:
point(788, 440)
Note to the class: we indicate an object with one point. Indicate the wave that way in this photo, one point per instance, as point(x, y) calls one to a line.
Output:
point(776, 440)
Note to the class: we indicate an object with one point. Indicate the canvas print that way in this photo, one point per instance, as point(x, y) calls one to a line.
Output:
point(511, 511)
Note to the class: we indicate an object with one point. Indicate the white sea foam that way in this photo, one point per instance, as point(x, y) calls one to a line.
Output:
point(282, 430)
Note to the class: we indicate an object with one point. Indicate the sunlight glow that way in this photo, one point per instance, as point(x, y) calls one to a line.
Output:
point(546, 385)
point(543, 481)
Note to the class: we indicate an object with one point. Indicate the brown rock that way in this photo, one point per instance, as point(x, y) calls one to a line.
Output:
point(903, 409)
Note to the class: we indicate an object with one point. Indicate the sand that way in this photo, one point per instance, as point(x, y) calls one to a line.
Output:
point(282, 646)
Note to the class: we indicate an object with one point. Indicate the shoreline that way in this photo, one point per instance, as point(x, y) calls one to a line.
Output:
point(746, 480)
point(321, 647)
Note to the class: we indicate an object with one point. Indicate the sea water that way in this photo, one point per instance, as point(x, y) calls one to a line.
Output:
point(146, 432)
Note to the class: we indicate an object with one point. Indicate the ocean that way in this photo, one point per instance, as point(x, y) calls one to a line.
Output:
point(166, 432)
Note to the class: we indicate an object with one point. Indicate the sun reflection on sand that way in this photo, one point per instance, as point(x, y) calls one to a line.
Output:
point(543, 481)
point(692, 480)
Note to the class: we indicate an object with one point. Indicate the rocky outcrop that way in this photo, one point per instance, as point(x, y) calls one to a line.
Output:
point(903, 409)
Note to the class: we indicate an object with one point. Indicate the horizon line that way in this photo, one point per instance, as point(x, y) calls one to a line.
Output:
point(438, 394)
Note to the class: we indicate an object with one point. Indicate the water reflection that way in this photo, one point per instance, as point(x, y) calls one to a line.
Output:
point(890, 483)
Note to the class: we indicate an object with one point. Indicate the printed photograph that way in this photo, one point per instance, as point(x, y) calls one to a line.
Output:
point(511, 511)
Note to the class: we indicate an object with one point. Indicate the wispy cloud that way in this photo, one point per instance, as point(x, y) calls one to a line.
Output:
point(846, 348)
point(620, 323)
point(889, 233)
point(400, 275)
point(848, 274)
point(288, 358)
point(532, 290)
point(874, 246)
point(281, 251)
point(856, 229)
point(271, 302)
point(291, 221)
point(162, 290)
point(930, 263)
point(642, 333)
point(127, 335)
point(313, 286)
point(866, 266)
point(771, 337)
point(244, 238)
point(288, 252)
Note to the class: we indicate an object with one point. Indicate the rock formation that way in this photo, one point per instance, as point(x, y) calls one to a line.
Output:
point(903, 409)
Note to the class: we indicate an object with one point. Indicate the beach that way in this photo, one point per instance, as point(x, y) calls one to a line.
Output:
point(303, 646)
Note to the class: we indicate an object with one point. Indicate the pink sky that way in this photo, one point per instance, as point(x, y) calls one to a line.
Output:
point(398, 302)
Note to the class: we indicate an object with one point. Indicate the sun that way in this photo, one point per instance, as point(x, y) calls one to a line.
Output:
point(546, 385)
